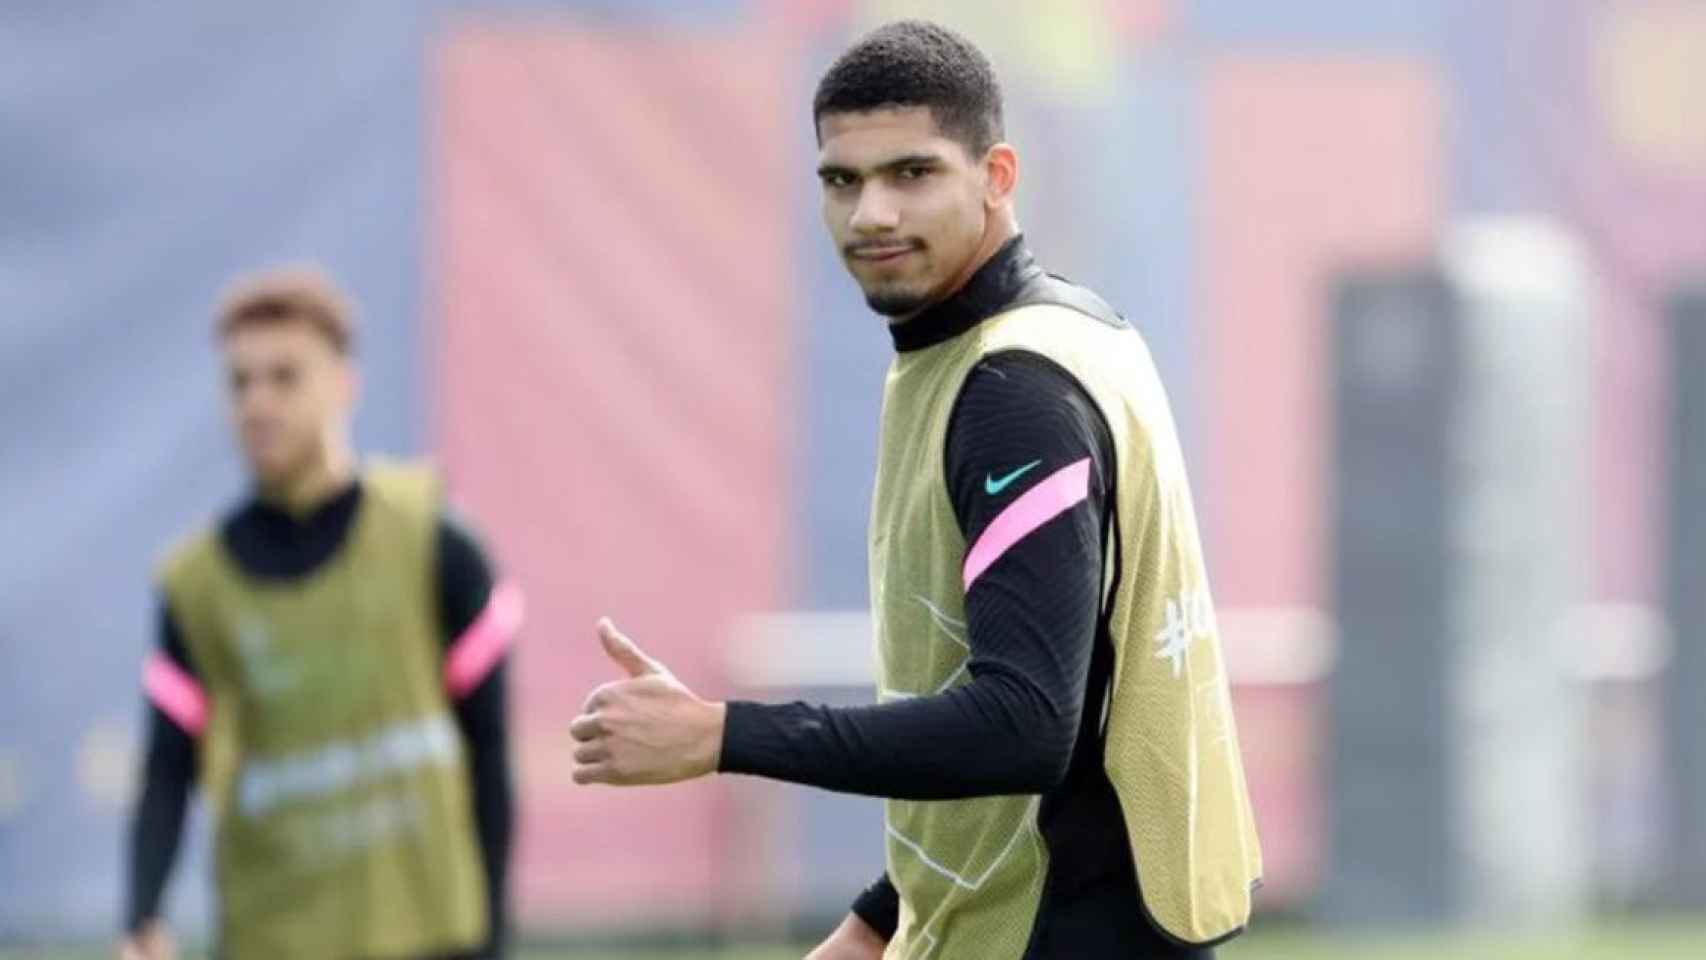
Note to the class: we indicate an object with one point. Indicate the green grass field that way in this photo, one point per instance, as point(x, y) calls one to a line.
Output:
point(1676, 939)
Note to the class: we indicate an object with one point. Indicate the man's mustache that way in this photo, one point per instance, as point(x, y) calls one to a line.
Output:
point(855, 249)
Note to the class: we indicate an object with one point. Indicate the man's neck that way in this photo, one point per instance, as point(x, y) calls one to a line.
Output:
point(328, 475)
point(1005, 229)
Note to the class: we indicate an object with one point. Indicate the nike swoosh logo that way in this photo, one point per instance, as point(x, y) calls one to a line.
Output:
point(993, 486)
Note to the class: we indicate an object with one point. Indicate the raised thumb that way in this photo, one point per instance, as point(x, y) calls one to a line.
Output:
point(625, 652)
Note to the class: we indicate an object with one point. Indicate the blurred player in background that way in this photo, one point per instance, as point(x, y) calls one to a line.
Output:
point(1054, 729)
point(331, 666)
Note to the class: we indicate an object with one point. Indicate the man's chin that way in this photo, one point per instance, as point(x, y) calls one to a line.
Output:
point(269, 470)
point(267, 476)
point(896, 303)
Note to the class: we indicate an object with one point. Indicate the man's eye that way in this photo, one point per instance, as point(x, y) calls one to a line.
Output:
point(837, 181)
point(914, 173)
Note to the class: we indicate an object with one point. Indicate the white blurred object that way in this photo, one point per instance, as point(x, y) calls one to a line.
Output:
point(1619, 642)
point(1520, 458)
point(795, 649)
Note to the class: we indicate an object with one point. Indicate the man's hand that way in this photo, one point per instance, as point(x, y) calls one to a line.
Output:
point(647, 729)
point(152, 942)
point(853, 940)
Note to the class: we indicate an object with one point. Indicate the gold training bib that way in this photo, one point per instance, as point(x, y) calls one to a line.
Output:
point(970, 872)
point(332, 760)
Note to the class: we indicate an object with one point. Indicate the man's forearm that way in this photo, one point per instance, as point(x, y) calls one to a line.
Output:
point(997, 735)
point(494, 817)
point(158, 827)
point(483, 717)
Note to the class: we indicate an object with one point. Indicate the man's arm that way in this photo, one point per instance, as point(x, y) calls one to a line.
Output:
point(1022, 427)
point(177, 713)
point(878, 906)
point(479, 620)
point(852, 940)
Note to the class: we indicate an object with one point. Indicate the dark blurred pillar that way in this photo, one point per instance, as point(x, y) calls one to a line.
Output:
point(1396, 372)
point(1685, 680)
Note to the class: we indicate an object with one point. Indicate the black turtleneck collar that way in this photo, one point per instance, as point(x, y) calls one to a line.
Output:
point(996, 286)
point(270, 542)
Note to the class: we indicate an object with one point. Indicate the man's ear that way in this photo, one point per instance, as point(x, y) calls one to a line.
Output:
point(352, 384)
point(1001, 171)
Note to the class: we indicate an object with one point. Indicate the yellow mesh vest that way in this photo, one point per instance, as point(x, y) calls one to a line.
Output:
point(332, 760)
point(970, 872)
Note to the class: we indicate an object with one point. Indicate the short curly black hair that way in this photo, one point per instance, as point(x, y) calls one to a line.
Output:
point(914, 63)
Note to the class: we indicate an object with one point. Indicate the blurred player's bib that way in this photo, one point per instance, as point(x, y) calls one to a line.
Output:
point(332, 759)
point(970, 872)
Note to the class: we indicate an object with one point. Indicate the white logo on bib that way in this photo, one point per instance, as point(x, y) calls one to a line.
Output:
point(1190, 616)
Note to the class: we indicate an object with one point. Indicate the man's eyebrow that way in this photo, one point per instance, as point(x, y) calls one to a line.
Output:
point(908, 160)
point(911, 160)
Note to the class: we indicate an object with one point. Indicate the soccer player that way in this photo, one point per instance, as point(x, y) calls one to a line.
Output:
point(331, 667)
point(1054, 731)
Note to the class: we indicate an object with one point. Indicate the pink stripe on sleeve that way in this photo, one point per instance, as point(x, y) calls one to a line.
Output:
point(1052, 496)
point(175, 692)
point(482, 645)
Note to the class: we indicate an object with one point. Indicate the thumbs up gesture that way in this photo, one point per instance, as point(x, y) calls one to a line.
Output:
point(648, 728)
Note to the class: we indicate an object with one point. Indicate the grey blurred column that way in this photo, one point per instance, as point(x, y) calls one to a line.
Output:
point(1461, 439)
point(1685, 679)
point(1397, 369)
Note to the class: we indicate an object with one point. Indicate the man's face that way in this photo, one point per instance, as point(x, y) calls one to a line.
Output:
point(289, 389)
point(905, 205)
